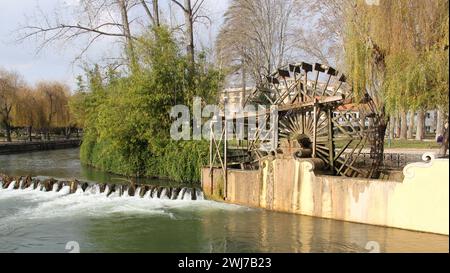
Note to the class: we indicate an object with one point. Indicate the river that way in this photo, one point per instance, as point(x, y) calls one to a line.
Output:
point(35, 221)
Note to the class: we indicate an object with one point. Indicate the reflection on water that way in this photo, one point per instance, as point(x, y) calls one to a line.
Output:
point(34, 221)
point(62, 164)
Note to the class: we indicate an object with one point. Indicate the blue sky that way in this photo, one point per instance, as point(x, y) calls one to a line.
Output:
point(56, 62)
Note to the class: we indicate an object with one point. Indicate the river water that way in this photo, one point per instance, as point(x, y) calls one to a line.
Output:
point(35, 221)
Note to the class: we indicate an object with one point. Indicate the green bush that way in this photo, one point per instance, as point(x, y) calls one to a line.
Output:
point(127, 122)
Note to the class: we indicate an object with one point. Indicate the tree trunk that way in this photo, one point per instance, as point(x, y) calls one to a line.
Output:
point(68, 132)
point(397, 126)
point(29, 133)
point(410, 125)
point(155, 16)
point(8, 133)
point(439, 124)
point(156, 12)
point(392, 127)
point(444, 146)
point(127, 33)
point(189, 36)
point(420, 134)
point(244, 84)
point(404, 126)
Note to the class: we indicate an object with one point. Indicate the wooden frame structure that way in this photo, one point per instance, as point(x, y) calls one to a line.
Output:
point(320, 118)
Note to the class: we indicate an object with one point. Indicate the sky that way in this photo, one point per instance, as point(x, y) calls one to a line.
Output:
point(56, 62)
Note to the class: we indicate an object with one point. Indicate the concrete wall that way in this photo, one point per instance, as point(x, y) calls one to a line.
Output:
point(22, 147)
point(418, 203)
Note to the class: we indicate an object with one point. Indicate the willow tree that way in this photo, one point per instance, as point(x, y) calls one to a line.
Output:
point(27, 111)
point(10, 84)
point(54, 99)
point(396, 52)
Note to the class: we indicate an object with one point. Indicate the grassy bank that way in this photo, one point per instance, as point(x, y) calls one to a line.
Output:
point(411, 144)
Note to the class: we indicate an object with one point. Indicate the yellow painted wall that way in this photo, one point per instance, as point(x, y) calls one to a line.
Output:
point(419, 203)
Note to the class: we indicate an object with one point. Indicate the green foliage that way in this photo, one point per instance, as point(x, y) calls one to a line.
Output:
point(179, 160)
point(398, 52)
point(357, 58)
point(417, 81)
point(127, 122)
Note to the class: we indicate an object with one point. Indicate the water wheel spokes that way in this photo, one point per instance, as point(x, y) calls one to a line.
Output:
point(319, 116)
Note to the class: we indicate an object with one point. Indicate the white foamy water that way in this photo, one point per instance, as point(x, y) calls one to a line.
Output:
point(138, 190)
point(164, 194)
point(91, 203)
point(11, 185)
point(147, 194)
point(155, 193)
point(45, 221)
point(181, 193)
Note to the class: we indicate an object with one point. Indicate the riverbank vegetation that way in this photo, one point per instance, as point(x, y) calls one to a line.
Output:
point(126, 117)
point(34, 112)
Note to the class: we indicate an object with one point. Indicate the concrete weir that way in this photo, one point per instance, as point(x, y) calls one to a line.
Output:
point(419, 201)
point(110, 190)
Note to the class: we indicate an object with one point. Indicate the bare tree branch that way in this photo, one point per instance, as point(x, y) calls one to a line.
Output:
point(180, 5)
point(149, 13)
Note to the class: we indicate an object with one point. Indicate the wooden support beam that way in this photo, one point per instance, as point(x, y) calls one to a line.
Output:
point(314, 130)
point(225, 148)
point(211, 168)
point(330, 139)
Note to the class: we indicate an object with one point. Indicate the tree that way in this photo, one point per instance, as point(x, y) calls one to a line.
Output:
point(27, 110)
point(439, 123)
point(54, 98)
point(126, 118)
point(93, 20)
point(319, 31)
point(397, 52)
point(420, 132)
point(411, 124)
point(10, 83)
point(444, 146)
point(255, 37)
point(192, 14)
point(404, 125)
point(154, 17)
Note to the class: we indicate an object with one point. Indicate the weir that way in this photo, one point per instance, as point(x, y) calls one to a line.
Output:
point(109, 190)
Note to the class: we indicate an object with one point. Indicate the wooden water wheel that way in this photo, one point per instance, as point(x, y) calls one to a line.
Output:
point(320, 116)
